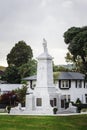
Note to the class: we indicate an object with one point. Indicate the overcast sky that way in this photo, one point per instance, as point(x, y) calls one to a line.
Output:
point(33, 20)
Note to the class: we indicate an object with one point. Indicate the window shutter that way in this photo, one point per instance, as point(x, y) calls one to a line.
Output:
point(84, 84)
point(59, 83)
point(31, 84)
point(69, 83)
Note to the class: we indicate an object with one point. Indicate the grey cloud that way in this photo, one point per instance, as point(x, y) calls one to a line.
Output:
point(31, 20)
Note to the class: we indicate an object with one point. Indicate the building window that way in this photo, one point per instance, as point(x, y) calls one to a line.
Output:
point(85, 84)
point(64, 100)
point(39, 102)
point(53, 102)
point(64, 96)
point(62, 103)
point(68, 98)
point(78, 84)
point(65, 84)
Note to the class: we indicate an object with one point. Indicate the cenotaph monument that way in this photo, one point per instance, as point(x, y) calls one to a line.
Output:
point(44, 98)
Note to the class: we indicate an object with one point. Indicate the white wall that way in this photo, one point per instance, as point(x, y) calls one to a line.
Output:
point(74, 92)
point(9, 87)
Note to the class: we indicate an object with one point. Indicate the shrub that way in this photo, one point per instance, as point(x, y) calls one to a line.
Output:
point(8, 109)
point(78, 101)
point(55, 110)
point(80, 107)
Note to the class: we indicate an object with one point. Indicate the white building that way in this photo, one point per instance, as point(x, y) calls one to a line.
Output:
point(5, 88)
point(71, 86)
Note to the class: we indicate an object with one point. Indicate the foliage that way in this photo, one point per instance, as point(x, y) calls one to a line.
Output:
point(55, 110)
point(84, 110)
point(77, 122)
point(57, 68)
point(1, 74)
point(20, 54)
point(69, 57)
point(9, 98)
point(78, 101)
point(28, 69)
point(2, 68)
point(55, 75)
point(77, 63)
point(12, 75)
point(8, 109)
point(76, 38)
point(14, 97)
point(21, 93)
point(20, 63)
point(80, 106)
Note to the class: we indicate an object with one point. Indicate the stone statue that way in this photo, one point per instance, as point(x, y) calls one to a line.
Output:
point(45, 45)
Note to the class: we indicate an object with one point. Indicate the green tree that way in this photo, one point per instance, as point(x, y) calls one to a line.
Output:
point(69, 57)
point(58, 68)
point(21, 94)
point(28, 69)
point(12, 75)
point(77, 64)
point(76, 38)
point(20, 54)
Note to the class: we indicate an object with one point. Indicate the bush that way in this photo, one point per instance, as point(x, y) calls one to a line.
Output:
point(78, 101)
point(80, 107)
point(55, 110)
point(84, 110)
point(8, 109)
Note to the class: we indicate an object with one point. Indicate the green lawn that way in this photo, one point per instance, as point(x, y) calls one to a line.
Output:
point(9, 122)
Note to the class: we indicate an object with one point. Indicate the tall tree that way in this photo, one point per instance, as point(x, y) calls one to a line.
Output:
point(20, 54)
point(76, 38)
point(28, 69)
point(12, 75)
point(77, 64)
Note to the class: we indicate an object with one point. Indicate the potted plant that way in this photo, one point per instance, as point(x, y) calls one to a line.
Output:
point(8, 109)
point(55, 110)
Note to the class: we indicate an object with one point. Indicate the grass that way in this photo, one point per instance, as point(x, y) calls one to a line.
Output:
point(9, 122)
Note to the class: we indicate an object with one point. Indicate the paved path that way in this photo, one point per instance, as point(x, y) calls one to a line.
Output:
point(62, 114)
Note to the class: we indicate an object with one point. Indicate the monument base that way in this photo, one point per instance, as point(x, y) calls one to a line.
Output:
point(23, 111)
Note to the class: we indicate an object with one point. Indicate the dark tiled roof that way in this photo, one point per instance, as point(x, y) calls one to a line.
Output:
point(71, 75)
point(62, 75)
